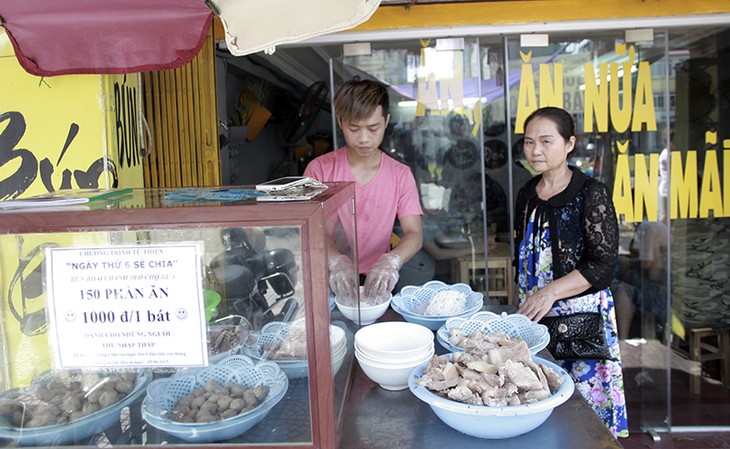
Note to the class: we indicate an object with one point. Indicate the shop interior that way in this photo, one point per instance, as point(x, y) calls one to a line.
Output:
point(465, 156)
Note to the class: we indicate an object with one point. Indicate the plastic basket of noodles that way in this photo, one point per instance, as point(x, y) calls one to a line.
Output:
point(434, 302)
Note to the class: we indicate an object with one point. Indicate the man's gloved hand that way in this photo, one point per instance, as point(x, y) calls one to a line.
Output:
point(343, 279)
point(383, 275)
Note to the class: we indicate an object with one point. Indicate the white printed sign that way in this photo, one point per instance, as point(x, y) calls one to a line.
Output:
point(126, 306)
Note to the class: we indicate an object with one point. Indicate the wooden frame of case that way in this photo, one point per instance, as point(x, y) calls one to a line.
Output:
point(310, 215)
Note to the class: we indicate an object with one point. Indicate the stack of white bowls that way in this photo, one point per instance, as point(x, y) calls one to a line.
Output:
point(389, 351)
point(338, 340)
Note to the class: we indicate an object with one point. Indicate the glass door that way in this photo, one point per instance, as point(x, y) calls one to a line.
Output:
point(652, 124)
point(610, 87)
point(700, 314)
point(440, 92)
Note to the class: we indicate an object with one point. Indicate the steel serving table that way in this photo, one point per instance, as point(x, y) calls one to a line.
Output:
point(378, 418)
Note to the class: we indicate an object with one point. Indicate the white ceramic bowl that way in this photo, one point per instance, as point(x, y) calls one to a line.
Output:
point(367, 314)
point(392, 377)
point(493, 422)
point(395, 360)
point(338, 357)
point(399, 340)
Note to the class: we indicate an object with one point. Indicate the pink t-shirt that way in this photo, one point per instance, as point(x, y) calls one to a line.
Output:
point(391, 193)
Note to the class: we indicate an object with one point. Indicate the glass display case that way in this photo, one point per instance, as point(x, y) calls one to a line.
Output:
point(196, 316)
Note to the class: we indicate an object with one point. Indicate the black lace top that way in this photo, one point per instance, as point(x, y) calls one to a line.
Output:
point(587, 229)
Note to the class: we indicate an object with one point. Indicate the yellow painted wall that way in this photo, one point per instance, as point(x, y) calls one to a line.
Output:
point(68, 131)
point(426, 15)
point(61, 132)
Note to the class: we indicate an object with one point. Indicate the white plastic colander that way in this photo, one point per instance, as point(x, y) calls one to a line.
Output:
point(515, 325)
point(411, 302)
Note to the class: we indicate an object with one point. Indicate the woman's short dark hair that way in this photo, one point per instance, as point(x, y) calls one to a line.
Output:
point(357, 99)
point(563, 120)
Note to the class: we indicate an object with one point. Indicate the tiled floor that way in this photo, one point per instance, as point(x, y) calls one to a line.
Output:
point(646, 401)
point(677, 441)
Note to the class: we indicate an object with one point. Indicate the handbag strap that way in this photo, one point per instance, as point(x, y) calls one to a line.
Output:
point(524, 242)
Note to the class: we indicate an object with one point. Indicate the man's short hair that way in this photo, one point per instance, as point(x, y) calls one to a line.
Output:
point(357, 99)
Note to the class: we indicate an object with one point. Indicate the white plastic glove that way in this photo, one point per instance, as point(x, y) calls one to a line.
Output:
point(343, 279)
point(383, 275)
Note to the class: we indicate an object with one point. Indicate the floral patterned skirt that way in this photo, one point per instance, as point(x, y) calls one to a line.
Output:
point(600, 382)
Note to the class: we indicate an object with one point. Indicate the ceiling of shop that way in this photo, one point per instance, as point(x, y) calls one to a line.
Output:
point(290, 69)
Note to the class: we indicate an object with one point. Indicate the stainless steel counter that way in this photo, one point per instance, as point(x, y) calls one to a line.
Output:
point(378, 418)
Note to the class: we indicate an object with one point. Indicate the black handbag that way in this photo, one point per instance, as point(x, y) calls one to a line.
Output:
point(578, 336)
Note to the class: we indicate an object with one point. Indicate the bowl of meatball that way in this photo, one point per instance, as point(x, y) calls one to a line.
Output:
point(64, 406)
point(215, 403)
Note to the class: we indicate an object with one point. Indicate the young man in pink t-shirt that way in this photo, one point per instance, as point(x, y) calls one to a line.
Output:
point(385, 189)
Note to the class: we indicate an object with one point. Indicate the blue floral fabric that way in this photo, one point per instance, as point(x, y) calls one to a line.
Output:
point(600, 382)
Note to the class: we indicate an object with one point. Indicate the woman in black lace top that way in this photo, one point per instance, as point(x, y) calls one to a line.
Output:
point(587, 237)
point(567, 249)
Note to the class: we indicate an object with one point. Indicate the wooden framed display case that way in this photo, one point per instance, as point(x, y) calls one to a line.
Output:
point(166, 293)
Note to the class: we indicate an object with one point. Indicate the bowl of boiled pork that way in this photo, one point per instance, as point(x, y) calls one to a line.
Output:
point(226, 336)
point(434, 302)
point(502, 393)
point(286, 345)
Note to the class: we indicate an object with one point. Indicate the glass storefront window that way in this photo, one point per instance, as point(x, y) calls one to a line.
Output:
point(608, 87)
point(651, 124)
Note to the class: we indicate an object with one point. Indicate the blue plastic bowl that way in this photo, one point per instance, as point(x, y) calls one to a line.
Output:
point(493, 422)
point(431, 323)
point(163, 395)
point(77, 430)
point(411, 302)
point(276, 332)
